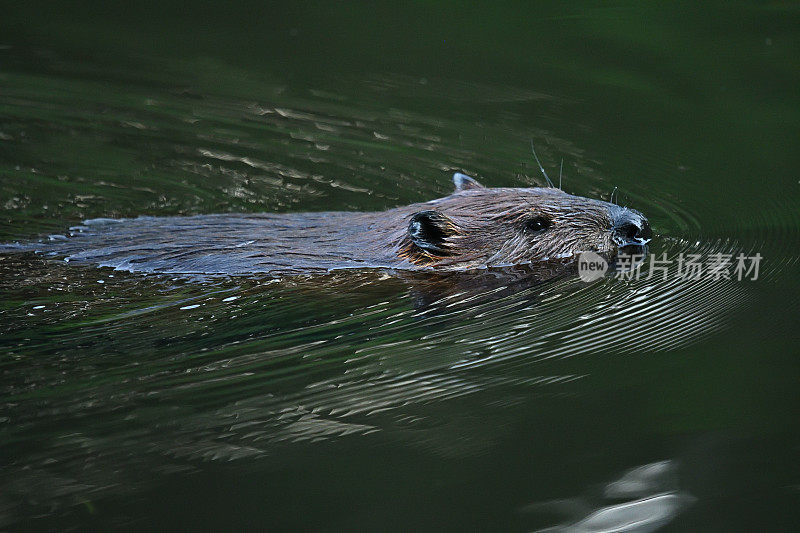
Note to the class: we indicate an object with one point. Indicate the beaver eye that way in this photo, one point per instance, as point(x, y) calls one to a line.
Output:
point(537, 224)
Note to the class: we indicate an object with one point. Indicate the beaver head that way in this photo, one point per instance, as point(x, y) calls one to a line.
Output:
point(478, 226)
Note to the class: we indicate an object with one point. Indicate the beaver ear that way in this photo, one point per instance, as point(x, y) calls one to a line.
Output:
point(464, 182)
point(428, 230)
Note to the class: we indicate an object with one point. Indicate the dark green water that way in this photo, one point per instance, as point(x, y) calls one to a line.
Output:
point(338, 402)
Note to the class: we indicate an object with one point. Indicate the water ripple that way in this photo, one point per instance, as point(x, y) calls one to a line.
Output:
point(248, 366)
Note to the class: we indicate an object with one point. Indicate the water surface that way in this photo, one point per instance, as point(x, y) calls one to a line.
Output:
point(366, 401)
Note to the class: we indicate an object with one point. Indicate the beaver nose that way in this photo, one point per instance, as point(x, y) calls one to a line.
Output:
point(630, 227)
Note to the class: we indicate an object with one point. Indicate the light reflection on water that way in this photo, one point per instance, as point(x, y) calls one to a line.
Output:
point(647, 497)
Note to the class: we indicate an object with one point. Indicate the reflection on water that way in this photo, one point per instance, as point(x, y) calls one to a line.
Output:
point(652, 500)
point(374, 400)
point(640, 516)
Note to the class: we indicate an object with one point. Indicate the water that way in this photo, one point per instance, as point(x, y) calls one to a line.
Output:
point(366, 401)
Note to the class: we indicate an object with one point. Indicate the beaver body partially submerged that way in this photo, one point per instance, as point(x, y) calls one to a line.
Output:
point(474, 227)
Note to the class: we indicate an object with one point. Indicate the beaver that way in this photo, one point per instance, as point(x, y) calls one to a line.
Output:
point(474, 227)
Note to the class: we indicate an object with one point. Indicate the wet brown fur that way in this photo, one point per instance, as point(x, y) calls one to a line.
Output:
point(487, 226)
point(474, 227)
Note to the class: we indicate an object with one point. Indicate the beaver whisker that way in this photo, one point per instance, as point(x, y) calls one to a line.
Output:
point(550, 183)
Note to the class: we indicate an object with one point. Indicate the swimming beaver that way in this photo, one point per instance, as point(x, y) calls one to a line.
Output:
point(474, 227)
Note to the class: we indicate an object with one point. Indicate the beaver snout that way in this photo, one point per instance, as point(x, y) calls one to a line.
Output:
point(630, 227)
